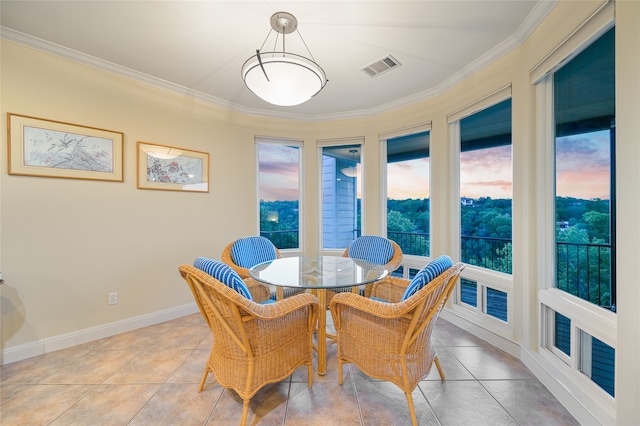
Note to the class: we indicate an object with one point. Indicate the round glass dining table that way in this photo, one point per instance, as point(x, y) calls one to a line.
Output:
point(319, 273)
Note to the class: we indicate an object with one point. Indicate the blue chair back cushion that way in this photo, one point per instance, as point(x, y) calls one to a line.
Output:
point(372, 249)
point(249, 251)
point(223, 273)
point(427, 274)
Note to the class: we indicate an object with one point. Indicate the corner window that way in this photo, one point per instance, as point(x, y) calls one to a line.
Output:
point(584, 117)
point(577, 114)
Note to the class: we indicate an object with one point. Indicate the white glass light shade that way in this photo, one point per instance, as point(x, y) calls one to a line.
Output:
point(292, 79)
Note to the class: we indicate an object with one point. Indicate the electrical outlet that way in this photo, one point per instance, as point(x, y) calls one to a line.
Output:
point(113, 299)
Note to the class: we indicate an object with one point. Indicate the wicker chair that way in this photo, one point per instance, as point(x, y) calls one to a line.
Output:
point(253, 344)
point(373, 249)
point(244, 253)
point(392, 340)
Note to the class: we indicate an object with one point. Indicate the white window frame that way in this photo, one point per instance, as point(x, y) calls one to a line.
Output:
point(484, 278)
point(322, 143)
point(408, 261)
point(584, 316)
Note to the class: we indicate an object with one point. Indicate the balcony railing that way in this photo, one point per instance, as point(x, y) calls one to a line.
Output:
point(491, 253)
point(411, 242)
point(584, 270)
point(282, 239)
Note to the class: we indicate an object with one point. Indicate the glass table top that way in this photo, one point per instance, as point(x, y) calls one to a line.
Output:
point(317, 272)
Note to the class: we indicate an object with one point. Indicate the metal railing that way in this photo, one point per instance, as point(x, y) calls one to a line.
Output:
point(413, 243)
point(287, 239)
point(585, 270)
point(491, 253)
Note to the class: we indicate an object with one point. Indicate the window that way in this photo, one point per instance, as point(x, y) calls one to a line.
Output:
point(486, 188)
point(562, 333)
point(279, 191)
point(576, 99)
point(341, 203)
point(496, 304)
point(597, 361)
point(408, 192)
point(584, 117)
point(469, 292)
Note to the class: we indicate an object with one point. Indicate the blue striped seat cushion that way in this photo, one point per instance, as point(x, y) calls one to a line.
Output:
point(223, 273)
point(427, 274)
point(372, 249)
point(249, 251)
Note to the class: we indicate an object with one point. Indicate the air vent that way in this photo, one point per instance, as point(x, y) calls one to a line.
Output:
point(381, 66)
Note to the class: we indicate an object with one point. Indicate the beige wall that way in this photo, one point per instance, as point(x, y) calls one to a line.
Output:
point(65, 244)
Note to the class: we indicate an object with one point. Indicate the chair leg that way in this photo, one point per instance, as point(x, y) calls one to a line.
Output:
point(245, 411)
point(204, 378)
point(412, 410)
point(339, 372)
point(310, 374)
point(439, 367)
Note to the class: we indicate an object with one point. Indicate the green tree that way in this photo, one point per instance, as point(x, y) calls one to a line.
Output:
point(398, 223)
point(597, 224)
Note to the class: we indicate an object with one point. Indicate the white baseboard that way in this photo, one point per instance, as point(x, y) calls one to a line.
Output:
point(50, 344)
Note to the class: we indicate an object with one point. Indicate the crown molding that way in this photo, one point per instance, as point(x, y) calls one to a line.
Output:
point(536, 16)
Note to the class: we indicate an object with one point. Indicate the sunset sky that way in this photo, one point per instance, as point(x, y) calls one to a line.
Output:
point(486, 173)
point(582, 171)
point(279, 170)
point(582, 166)
point(408, 179)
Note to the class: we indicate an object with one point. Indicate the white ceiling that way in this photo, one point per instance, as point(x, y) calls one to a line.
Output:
point(198, 47)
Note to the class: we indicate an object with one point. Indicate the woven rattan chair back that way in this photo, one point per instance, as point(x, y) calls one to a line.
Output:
point(253, 344)
point(243, 271)
point(391, 264)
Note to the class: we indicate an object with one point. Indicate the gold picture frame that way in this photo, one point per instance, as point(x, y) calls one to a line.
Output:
point(56, 149)
point(169, 168)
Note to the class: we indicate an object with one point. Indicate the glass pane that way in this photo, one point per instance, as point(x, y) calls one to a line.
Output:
point(486, 188)
point(469, 292)
point(497, 304)
point(341, 176)
point(562, 334)
point(584, 108)
point(279, 194)
point(408, 193)
point(597, 361)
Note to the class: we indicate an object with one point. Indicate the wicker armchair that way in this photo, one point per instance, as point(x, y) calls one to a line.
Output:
point(244, 253)
point(373, 249)
point(253, 344)
point(392, 340)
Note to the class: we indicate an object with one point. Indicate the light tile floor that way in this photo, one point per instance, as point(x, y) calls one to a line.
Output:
point(150, 376)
